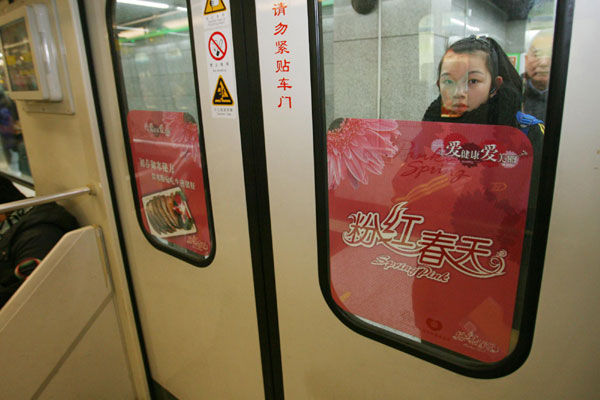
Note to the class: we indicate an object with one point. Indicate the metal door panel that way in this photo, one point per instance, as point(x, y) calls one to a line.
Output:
point(321, 357)
point(198, 324)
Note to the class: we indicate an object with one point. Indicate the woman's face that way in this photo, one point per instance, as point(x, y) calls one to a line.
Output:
point(465, 81)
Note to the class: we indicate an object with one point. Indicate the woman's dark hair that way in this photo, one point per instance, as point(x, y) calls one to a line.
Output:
point(8, 191)
point(497, 61)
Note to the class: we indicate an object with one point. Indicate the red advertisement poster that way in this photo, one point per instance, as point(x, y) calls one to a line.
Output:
point(426, 228)
point(166, 157)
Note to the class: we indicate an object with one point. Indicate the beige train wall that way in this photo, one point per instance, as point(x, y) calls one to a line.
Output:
point(64, 152)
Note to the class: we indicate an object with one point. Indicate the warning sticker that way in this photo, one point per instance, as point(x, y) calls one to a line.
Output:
point(214, 6)
point(222, 97)
point(219, 57)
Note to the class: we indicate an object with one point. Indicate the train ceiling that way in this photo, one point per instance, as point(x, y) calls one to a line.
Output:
point(515, 9)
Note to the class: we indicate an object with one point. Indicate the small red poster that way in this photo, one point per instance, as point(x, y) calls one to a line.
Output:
point(426, 228)
point(167, 162)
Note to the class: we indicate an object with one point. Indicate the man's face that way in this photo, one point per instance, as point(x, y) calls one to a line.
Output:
point(537, 61)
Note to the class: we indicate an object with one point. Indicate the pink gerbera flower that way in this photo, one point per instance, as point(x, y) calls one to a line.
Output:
point(358, 146)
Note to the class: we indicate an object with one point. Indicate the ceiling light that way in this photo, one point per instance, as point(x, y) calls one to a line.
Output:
point(144, 3)
point(132, 33)
point(469, 27)
point(176, 23)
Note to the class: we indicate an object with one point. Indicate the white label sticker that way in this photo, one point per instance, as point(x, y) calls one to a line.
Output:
point(219, 58)
point(216, 14)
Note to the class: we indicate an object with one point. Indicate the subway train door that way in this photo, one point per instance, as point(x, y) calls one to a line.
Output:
point(180, 191)
point(407, 259)
point(360, 310)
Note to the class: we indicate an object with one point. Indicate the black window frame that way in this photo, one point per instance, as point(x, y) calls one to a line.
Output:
point(555, 105)
point(199, 261)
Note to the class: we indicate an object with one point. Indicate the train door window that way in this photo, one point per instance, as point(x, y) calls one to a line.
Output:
point(153, 59)
point(428, 158)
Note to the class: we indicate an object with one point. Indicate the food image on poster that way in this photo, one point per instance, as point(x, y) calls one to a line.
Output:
point(427, 227)
point(168, 213)
point(169, 177)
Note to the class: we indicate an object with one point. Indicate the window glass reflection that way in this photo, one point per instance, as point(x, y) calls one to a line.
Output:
point(400, 81)
point(156, 57)
point(434, 116)
point(13, 157)
point(163, 130)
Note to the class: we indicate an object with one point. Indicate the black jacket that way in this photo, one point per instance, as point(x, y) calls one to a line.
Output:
point(534, 101)
point(32, 237)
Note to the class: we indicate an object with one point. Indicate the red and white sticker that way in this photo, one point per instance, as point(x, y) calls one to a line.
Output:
point(220, 59)
point(217, 46)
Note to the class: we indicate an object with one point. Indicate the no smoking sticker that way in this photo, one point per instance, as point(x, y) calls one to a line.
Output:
point(217, 46)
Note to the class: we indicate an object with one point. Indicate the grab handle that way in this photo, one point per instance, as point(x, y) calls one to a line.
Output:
point(36, 201)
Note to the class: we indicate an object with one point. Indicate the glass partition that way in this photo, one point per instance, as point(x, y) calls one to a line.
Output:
point(154, 66)
point(433, 134)
point(394, 51)
point(156, 56)
point(13, 157)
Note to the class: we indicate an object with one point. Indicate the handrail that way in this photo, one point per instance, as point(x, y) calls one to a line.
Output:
point(36, 201)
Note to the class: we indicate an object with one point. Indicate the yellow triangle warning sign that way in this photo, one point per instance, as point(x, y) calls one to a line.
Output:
point(213, 6)
point(222, 97)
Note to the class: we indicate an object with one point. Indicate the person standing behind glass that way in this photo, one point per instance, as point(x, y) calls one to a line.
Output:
point(12, 136)
point(537, 74)
point(8, 134)
point(479, 85)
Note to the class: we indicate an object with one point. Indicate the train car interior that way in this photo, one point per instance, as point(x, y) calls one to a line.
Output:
point(320, 199)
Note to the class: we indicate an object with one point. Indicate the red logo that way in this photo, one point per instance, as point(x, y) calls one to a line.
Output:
point(434, 324)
